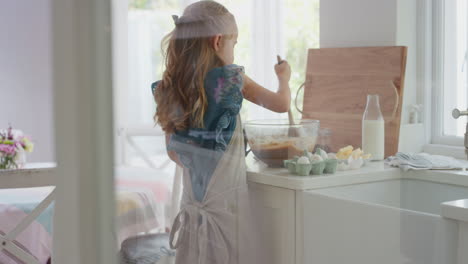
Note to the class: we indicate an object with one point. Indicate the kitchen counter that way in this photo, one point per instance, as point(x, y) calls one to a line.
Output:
point(258, 172)
point(287, 213)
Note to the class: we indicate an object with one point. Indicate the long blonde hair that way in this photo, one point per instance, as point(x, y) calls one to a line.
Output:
point(180, 96)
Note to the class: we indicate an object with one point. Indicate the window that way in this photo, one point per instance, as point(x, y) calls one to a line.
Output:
point(266, 28)
point(303, 17)
point(148, 22)
point(450, 70)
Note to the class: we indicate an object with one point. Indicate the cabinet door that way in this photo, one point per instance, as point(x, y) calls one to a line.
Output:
point(277, 213)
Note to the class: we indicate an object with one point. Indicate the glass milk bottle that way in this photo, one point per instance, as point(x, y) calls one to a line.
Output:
point(373, 129)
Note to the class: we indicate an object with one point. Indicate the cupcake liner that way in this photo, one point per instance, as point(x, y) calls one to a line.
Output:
point(303, 169)
point(318, 167)
point(330, 166)
point(291, 167)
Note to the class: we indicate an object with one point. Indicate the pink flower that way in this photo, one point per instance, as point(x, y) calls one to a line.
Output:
point(12, 142)
point(9, 150)
point(218, 90)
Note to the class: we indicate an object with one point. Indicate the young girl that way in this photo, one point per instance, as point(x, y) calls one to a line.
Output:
point(198, 103)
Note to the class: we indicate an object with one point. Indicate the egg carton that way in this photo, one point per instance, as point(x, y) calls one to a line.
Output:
point(311, 164)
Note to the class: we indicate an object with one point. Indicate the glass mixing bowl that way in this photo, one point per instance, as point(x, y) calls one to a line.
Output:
point(273, 141)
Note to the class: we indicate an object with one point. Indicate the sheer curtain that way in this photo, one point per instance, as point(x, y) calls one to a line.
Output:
point(138, 28)
point(260, 40)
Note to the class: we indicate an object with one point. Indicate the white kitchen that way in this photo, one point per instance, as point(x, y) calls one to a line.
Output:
point(366, 164)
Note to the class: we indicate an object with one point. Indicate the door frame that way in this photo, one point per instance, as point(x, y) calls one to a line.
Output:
point(82, 79)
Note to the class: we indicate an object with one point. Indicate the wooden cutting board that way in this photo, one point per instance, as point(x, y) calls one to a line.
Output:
point(337, 83)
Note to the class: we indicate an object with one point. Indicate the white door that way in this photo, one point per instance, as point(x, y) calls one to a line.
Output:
point(81, 31)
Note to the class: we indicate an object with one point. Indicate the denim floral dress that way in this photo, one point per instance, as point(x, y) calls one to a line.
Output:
point(223, 87)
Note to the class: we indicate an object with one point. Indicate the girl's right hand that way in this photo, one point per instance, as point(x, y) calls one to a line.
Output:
point(283, 71)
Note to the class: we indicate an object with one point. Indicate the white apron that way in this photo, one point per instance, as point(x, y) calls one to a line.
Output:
point(221, 229)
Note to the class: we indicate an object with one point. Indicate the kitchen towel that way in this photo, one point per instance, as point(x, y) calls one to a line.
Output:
point(424, 161)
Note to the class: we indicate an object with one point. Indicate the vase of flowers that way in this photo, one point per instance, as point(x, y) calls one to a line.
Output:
point(13, 148)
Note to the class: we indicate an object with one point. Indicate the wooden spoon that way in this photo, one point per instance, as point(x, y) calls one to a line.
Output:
point(292, 132)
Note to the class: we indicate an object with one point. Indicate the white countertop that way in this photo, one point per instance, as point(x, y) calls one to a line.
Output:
point(258, 172)
point(374, 171)
point(457, 210)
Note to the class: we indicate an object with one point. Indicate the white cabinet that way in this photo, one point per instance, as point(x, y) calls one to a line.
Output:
point(282, 217)
point(283, 214)
point(278, 217)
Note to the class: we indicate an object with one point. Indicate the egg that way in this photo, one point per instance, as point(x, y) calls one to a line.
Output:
point(322, 153)
point(316, 157)
point(303, 160)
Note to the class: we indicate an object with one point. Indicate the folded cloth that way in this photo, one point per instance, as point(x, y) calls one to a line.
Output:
point(147, 249)
point(424, 161)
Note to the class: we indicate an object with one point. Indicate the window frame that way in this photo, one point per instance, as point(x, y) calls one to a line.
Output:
point(431, 32)
point(437, 110)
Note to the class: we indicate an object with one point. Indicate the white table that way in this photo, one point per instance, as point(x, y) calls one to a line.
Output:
point(33, 175)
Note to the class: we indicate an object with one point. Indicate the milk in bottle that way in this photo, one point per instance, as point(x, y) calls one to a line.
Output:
point(373, 129)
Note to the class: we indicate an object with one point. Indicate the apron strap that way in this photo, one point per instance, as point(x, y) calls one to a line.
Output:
point(195, 215)
point(176, 228)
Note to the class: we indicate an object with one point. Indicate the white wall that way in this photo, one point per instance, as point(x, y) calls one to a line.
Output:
point(354, 23)
point(357, 23)
point(26, 73)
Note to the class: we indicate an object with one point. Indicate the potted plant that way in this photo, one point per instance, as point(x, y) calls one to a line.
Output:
point(13, 148)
